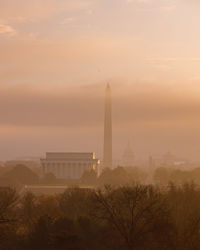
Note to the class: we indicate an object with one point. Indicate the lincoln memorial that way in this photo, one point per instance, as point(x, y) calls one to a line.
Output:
point(69, 165)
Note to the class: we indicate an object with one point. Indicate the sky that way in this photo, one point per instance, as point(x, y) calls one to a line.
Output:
point(57, 56)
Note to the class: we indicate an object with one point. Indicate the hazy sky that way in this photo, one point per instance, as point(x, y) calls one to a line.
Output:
point(56, 56)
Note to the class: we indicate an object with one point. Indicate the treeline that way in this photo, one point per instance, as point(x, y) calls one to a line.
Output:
point(17, 176)
point(136, 217)
point(116, 176)
point(162, 176)
point(20, 175)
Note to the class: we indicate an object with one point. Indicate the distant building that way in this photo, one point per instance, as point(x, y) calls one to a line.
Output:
point(107, 152)
point(128, 157)
point(69, 165)
point(151, 163)
point(168, 159)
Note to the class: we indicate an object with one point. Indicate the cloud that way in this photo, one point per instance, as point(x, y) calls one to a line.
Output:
point(174, 59)
point(21, 19)
point(62, 106)
point(68, 20)
point(151, 5)
point(74, 59)
point(24, 10)
point(169, 7)
point(7, 30)
point(138, 1)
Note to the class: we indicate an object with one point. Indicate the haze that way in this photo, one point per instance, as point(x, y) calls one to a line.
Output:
point(55, 60)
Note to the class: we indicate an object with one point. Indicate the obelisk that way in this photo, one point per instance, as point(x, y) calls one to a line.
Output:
point(107, 157)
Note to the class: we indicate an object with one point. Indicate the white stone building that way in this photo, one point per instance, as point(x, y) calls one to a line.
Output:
point(69, 165)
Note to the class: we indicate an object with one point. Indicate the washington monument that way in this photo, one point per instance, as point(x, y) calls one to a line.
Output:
point(107, 157)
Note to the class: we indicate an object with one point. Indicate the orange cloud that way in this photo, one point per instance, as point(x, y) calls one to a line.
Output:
point(36, 9)
point(7, 30)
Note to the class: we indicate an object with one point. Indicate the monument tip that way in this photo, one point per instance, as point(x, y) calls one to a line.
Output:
point(108, 86)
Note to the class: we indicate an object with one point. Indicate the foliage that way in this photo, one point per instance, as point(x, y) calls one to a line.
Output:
point(163, 176)
point(22, 174)
point(89, 178)
point(49, 178)
point(129, 217)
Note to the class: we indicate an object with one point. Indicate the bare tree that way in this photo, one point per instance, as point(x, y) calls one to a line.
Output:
point(8, 200)
point(133, 212)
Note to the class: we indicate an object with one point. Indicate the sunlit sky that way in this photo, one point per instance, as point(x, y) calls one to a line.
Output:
point(57, 55)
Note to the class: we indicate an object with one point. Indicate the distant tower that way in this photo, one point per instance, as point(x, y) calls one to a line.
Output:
point(128, 157)
point(107, 157)
point(151, 163)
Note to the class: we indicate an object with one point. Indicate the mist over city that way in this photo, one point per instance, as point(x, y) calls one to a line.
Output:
point(153, 118)
point(99, 125)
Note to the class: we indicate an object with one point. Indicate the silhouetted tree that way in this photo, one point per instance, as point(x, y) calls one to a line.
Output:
point(116, 177)
point(184, 202)
point(89, 178)
point(134, 214)
point(8, 200)
point(49, 178)
point(75, 202)
point(28, 211)
point(23, 175)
